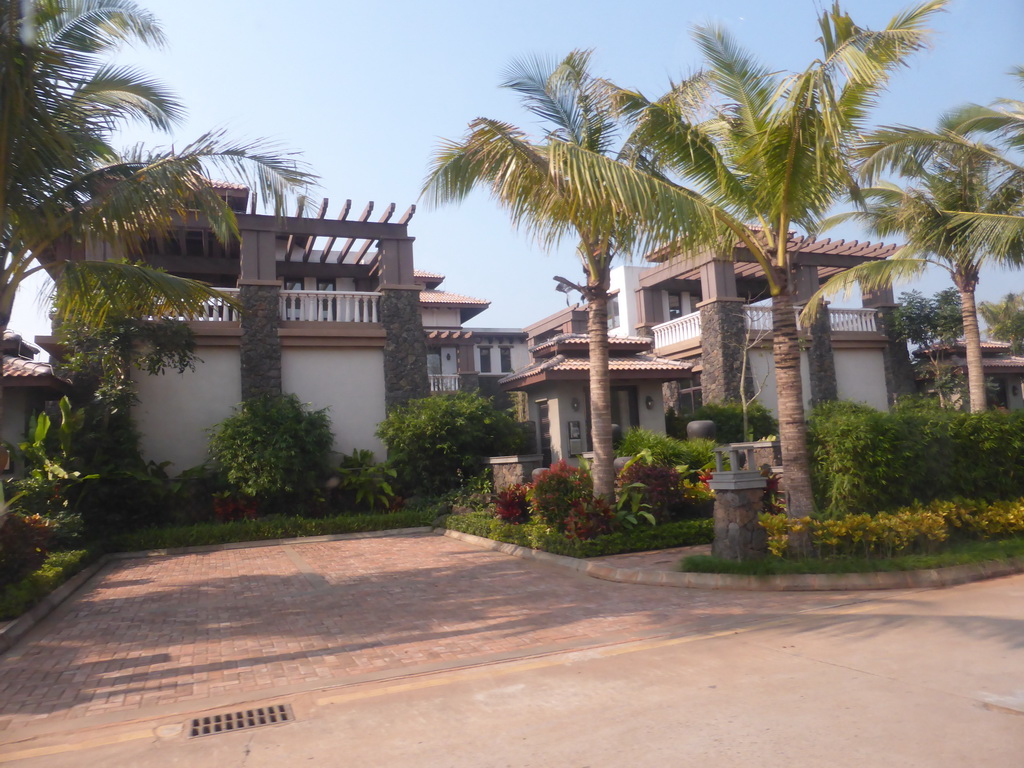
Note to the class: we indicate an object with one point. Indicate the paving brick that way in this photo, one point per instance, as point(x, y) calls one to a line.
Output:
point(160, 630)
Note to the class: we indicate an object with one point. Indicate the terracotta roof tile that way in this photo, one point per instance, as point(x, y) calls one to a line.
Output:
point(444, 297)
point(582, 340)
point(634, 363)
point(20, 368)
point(452, 335)
point(427, 275)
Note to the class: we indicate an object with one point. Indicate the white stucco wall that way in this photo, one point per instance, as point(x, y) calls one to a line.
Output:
point(762, 369)
point(860, 375)
point(175, 410)
point(349, 382)
point(440, 318)
point(626, 280)
point(652, 418)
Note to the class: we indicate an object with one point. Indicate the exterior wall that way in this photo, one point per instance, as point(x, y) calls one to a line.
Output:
point(350, 382)
point(19, 404)
point(626, 280)
point(652, 418)
point(860, 374)
point(175, 410)
point(1015, 402)
point(440, 318)
point(560, 396)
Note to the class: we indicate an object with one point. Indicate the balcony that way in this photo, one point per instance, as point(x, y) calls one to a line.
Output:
point(444, 382)
point(759, 320)
point(308, 306)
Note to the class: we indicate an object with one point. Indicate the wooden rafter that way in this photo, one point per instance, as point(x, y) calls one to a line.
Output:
point(330, 241)
point(363, 217)
point(311, 240)
point(291, 238)
point(366, 246)
point(407, 216)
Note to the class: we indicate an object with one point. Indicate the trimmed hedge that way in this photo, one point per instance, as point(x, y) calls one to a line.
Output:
point(865, 460)
point(536, 535)
point(58, 567)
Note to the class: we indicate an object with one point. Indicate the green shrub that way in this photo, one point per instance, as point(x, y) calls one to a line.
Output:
point(728, 419)
point(24, 545)
point(664, 450)
point(57, 568)
point(865, 460)
point(436, 443)
point(557, 489)
point(273, 449)
point(363, 483)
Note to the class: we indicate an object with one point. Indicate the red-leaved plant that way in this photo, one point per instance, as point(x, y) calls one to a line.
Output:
point(512, 503)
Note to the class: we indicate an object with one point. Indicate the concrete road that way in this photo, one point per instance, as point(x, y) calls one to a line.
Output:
point(920, 678)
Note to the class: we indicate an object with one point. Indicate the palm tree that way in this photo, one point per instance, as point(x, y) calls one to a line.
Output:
point(947, 179)
point(518, 172)
point(1005, 320)
point(60, 178)
point(773, 156)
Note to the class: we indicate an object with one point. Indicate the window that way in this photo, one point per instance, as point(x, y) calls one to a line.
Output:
point(613, 311)
point(325, 285)
point(675, 306)
point(485, 359)
point(292, 304)
point(506, 359)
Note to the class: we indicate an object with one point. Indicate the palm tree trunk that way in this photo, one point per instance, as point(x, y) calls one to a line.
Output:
point(600, 395)
point(792, 424)
point(972, 343)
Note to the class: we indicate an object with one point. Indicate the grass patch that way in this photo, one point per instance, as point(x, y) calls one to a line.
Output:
point(536, 535)
point(58, 567)
point(276, 527)
point(960, 553)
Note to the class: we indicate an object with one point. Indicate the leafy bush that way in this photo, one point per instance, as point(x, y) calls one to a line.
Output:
point(556, 490)
point(589, 518)
point(663, 450)
point(57, 568)
point(915, 529)
point(363, 483)
point(865, 460)
point(436, 443)
point(660, 488)
point(538, 535)
point(512, 504)
point(24, 545)
point(273, 449)
point(728, 419)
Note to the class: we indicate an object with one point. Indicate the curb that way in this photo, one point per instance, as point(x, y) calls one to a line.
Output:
point(19, 627)
point(797, 582)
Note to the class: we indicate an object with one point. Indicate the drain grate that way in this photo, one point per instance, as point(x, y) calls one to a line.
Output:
point(237, 721)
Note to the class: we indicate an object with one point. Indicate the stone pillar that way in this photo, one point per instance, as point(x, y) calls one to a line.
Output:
point(405, 349)
point(739, 499)
point(260, 346)
point(899, 373)
point(469, 381)
point(723, 338)
point(821, 362)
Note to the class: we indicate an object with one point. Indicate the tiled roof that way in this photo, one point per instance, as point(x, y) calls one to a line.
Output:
point(427, 275)
point(20, 368)
point(642, 363)
point(453, 299)
point(583, 341)
point(228, 185)
point(806, 244)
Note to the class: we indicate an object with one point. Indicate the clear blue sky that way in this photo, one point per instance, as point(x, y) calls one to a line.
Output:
point(365, 90)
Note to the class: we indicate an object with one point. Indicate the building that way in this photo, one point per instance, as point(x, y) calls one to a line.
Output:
point(28, 385)
point(1004, 371)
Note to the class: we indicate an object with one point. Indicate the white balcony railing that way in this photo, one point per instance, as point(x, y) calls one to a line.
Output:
point(759, 320)
point(676, 331)
point(852, 320)
point(330, 306)
point(218, 310)
point(444, 382)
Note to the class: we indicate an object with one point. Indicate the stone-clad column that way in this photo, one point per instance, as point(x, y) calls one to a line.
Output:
point(821, 361)
point(723, 339)
point(899, 373)
point(260, 348)
point(405, 350)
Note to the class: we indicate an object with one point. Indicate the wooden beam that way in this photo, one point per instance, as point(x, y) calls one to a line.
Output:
point(330, 242)
point(311, 240)
point(352, 239)
point(252, 202)
point(387, 215)
point(296, 269)
point(291, 237)
point(407, 216)
point(362, 251)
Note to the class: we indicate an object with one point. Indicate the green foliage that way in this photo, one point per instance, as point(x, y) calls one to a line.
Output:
point(1005, 320)
point(926, 321)
point(512, 504)
point(865, 460)
point(662, 450)
point(538, 535)
point(57, 568)
point(365, 482)
point(273, 449)
point(272, 527)
point(24, 544)
point(557, 490)
point(435, 443)
point(728, 419)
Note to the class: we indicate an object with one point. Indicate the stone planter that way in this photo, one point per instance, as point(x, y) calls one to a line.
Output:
point(513, 470)
point(701, 430)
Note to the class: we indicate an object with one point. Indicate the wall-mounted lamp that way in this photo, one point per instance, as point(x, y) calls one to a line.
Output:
point(448, 356)
point(575, 403)
point(649, 402)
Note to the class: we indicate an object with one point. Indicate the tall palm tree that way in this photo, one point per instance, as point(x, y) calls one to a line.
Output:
point(1005, 320)
point(61, 102)
point(774, 155)
point(952, 178)
point(518, 172)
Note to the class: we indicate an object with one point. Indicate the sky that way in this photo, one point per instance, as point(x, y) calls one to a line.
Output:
point(365, 91)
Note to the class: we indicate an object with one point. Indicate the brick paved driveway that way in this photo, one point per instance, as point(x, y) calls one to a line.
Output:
point(178, 630)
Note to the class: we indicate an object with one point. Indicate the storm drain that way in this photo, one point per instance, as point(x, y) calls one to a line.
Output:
point(240, 721)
